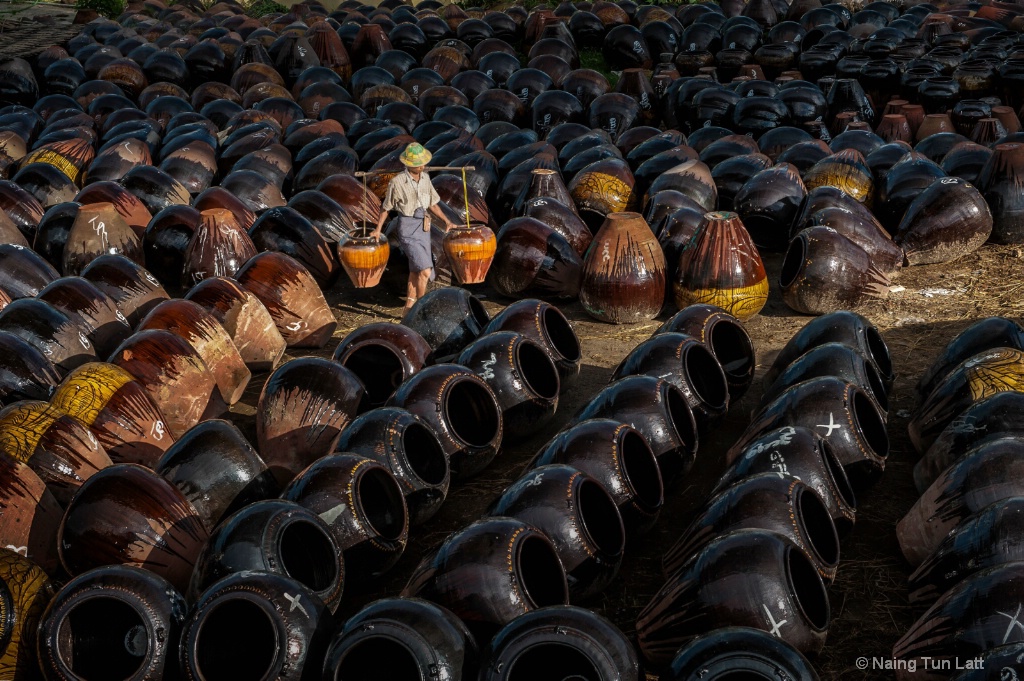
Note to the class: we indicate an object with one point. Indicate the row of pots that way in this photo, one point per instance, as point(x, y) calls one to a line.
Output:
point(961, 535)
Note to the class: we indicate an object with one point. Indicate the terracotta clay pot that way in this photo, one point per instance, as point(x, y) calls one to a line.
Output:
point(617, 456)
point(98, 229)
point(769, 501)
point(174, 376)
point(241, 610)
point(966, 487)
point(118, 411)
point(292, 296)
point(722, 268)
point(372, 529)
point(304, 406)
point(970, 613)
point(449, 319)
point(128, 515)
point(743, 650)
point(478, 569)
point(203, 332)
point(841, 412)
point(217, 470)
point(776, 575)
point(986, 334)
point(824, 271)
point(724, 336)
point(245, 318)
point(410, 450)
point(382, 356)
point(563, 640)
point(545, 324)
point(623, 272)
point(276, 537)
point(142, 614)
point(521, 375)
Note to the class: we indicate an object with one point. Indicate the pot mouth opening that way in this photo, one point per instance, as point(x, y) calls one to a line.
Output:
point(681, 417)
point(236, 639)
point(377, 656)
point(794, 262)
point(476, 309)
point(876, 386)
point(641, 471)
point(837, 473)
point(381, 503)
point(550, 660)
point(600, 518)
point(561, 335)
point(424, 453)
point(731, 346)
point(818, 527)
point(870, 423)
point(309, 555)
point(743, 675)
point(541, 575)
point(705, 376)
point(118, 649)
point(379, 368)
point(879, 352)
point(539, 372)
point(472, 413)
point(807, 588)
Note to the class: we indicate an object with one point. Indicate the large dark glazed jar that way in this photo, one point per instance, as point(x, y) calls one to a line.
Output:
point(739, 652)
point(624, 271)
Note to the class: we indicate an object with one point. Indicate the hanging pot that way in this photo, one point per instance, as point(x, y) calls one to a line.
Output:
point(276, 537)
point(521, 375)
point(382, 356)
point(449, 319)
point(470, 251)
point(304, 406)
point(217, 470)
point(724, 336)
point(248, 322)
point(617, 457)
point(738, 650)
point(840, 412)
point(964, 623)
point(142, 616)
point(258, 626)
point(409, 448)
point(564, 641)
point(174, 377)
point(545, 324)
point(364, 258)
point(770, 501)
point(659, 411)
point(982, 476)
point(291, 295)
point(490, 572)
point(780, 586)
point(623, 272)
point(126, 514)
point(461, 409)
point(363, 506)
point(399, 637)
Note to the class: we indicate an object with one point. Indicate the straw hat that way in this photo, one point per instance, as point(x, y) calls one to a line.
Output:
point(415, 156)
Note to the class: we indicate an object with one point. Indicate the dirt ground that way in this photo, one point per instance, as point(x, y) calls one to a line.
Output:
point(869, 597)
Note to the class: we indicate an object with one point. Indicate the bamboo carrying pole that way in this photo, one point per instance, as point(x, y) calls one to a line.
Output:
point(465, 190)
point(429, 169)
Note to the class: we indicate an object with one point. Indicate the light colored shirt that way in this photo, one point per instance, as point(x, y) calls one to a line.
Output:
point(405, 195)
